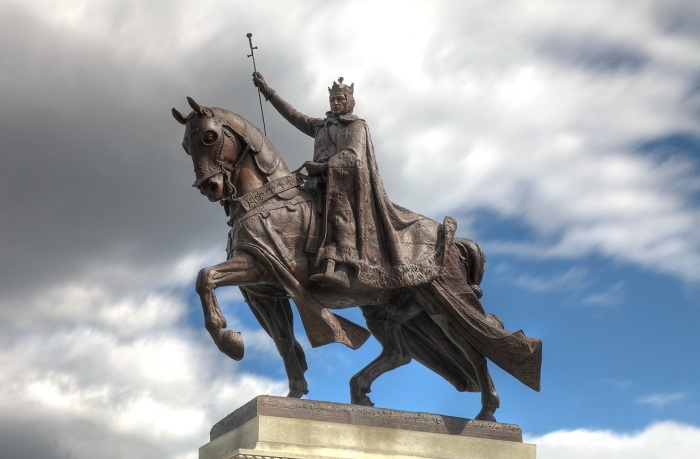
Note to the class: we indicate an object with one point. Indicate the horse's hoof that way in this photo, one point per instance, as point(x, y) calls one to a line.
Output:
point(297, 393)
point(231, 344)
point(363, 400)
point(297, 388)
point(485, 415)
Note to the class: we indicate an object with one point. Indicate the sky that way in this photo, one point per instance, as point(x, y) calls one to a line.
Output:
point(564, 136)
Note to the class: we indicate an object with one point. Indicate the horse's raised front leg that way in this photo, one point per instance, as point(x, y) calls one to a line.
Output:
point(242, 269)
point(276, 318)
point(387, 330)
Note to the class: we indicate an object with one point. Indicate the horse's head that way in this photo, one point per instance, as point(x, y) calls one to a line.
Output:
point(212, 140)
point(222, 144)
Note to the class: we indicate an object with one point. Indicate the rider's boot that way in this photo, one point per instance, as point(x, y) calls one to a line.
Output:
point(335, 276)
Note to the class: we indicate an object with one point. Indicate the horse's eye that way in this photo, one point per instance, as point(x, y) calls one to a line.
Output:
point(209, 137)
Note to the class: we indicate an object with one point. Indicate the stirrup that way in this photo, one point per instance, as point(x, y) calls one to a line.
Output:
point(331, 278)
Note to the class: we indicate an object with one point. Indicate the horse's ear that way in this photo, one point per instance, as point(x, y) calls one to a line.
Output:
point(182, 119)
point(195, 106)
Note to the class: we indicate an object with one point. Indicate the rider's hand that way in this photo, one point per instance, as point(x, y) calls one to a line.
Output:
point(316, 168)
point(259, 81)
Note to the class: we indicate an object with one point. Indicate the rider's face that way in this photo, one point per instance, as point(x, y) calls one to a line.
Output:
point(338, 104)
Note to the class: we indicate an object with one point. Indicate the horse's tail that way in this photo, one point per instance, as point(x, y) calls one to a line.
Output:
point(474, 262)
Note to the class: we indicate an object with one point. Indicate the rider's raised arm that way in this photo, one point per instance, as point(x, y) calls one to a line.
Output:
point(304, 123)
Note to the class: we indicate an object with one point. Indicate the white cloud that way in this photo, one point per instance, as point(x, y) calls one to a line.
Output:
point(617, 384)
point(608, 296)
point(128, 369)
point(572, 279)
point(658, 441)
point(510, 126)
point(660, 400)
point(112, 25)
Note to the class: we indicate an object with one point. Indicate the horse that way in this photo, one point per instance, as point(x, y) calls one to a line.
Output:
point(274, 219)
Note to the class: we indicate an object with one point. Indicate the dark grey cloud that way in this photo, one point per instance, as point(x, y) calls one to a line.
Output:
point(593, 54)
point(28, 438)
point(92, 167)
point(677, 17)
point(48, 436)
point(97, 203)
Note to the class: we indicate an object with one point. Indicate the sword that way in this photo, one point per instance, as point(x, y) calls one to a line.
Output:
point(252, 54)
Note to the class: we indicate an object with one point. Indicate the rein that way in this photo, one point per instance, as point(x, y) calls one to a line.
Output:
point(232, 176)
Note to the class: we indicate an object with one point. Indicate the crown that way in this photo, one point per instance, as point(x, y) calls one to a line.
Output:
point(340, 88)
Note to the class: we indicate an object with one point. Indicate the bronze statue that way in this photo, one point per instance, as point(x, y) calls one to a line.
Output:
point(415, 282)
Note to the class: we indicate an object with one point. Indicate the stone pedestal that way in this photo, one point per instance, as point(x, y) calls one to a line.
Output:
point(287, 428)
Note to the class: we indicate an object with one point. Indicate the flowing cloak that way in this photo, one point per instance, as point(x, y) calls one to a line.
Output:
point(451, 298)
point(391, 246)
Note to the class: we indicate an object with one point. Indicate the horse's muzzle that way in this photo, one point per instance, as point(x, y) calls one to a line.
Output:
point(212, 187)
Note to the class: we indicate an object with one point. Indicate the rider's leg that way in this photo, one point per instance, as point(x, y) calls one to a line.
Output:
point(343, 247)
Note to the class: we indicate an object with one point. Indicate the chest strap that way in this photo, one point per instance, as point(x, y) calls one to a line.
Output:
point(272, 188)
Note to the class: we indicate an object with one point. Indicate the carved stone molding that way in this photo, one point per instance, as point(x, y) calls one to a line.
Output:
point(255, 456)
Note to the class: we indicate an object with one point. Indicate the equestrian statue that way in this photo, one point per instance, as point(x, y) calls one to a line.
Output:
point(332, 239)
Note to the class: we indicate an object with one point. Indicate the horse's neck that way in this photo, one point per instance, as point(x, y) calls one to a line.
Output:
point(251, 174)
point(248, 177)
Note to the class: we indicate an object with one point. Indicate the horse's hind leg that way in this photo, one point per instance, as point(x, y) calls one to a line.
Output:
point(395, 353)
point(275, 316)
point(489, 397)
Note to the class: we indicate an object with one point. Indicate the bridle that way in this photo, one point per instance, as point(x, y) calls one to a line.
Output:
point(230, 176)
point(209, 162)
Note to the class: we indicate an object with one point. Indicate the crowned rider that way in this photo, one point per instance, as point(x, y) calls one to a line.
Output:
point(364, 234)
